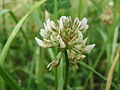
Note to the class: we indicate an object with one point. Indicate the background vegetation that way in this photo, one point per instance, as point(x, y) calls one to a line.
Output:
point(23, 63)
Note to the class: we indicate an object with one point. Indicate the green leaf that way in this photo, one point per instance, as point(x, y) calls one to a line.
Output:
point(15, 31)
point(62, 4)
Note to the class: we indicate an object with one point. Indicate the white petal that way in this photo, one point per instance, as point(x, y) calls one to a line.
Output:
point(60, 24)
point(76, 20)
point(79, 24)
point(88, 48)
point(80, 56)
point(84, 41)
point(48, 21)
point(42, 43)
point(80, 37)
point(78, 46)
point(70, 18)
point(49, 28)
point(53, 37)
point(63, 18)
point(111, 3)
point(62, 44)
point(42, 32)
point(84, 21)
point(45, 26)
point(77, 40)
point(52, 24)
point(84, 25)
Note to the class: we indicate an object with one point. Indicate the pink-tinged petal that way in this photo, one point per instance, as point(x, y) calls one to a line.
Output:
point(88, 48)
point(84, 21)
point(76, 20)
point(84, 25)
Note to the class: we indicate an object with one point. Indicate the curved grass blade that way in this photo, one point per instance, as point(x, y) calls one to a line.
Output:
point(15, 31)
point(35, 16)
point(5, 11)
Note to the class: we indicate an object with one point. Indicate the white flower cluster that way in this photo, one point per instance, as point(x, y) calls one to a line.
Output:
point(66, 35)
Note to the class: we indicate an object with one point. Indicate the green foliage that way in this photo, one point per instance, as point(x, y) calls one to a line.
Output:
point(62, 4)
point(23, 63)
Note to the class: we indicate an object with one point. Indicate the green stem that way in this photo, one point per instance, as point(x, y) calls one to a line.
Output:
point(56, 79)
point(4, 20)
point(66, 71)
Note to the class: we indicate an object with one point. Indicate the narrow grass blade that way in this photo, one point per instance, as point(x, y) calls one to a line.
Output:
point(15, 31)
point(41, 70)
point(55, 9)
point(60, 76)
point(109, 80)
point(91, 69)
point(114, 42)
point(35, 14)
point(116, 23)
point(2, 83)
point(5, 11)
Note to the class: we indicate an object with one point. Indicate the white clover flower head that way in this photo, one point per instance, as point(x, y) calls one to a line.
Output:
point(66, 35)
point(111, 3)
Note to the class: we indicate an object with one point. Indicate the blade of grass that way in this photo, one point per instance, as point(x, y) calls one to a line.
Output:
point(60, 73)
point(15, 31)
point(57, 70)
point(5, 11)
point(81, 8)
point(21, 29)
point(55, 9)
point(52, 56)
point(109, 80)
point(91, 69)
point(41, 70)
point(4, 19)
point(2, 83)
point(114, 42)
point(9, 80)
point(35, 14)
point(116, 23)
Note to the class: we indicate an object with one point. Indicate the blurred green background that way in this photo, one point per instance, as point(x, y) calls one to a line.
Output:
point(26, 62)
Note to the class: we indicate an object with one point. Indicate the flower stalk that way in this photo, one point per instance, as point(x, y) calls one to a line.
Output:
point(66, 70)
